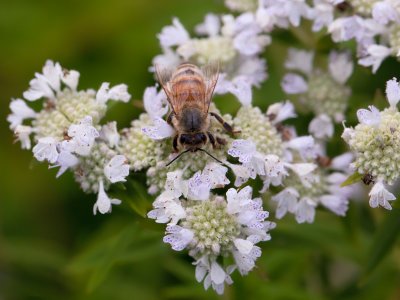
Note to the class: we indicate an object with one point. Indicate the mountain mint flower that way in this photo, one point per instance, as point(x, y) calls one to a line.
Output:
point(319, 91)
point(376, 145)
point(67, 132)
point(213, 227)
point(234, 43)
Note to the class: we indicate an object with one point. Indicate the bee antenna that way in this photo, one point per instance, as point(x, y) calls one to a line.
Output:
point(210, 155)
point(179, 155)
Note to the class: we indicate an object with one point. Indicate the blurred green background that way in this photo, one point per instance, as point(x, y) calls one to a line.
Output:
point(52, 247)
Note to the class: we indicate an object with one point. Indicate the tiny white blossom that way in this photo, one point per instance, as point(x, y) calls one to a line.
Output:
point(173, 35)
point(305, 211)
point(281, 111)
point(384, 12)
point(117, 169)
point(369, 117)
point(321, 127)
point(46, 149)
point(393, 92)
point(109, 133)
point(287, 201)
point(83, 137)
point(104, 203)
point(210, 26)
point(20, 111)
point(44, 85)
point(294, 84)
point(65, 161)
point(178, 237)
point(22, 134)
point(380, 196)
point(322, 14)
point(159, 131)
point(300, 60)
point(155, 103)
point(118, 92)
point(71, 79)
point(375, 55)
point(340, 66)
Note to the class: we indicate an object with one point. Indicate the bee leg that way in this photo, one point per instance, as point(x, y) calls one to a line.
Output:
point(175, 143)
point(170, 117)
point(224, 124)
point(211, 138)
point(221, 141)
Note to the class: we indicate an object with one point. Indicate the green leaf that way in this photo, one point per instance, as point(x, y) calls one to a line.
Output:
point(354, 178)
point(135, 194)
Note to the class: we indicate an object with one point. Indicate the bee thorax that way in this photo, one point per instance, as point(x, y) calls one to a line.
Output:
point(192, 120)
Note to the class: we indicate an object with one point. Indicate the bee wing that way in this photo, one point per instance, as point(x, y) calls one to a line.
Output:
point(210, 72)
point(164, 77)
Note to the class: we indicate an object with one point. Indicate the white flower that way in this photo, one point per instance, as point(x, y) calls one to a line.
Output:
point(246, 261)
point(212, 274)
point(216, 174)
point(294, 84)
point(300, 60)
point(249, 42)
point(335, 203)
point(155, 103)
point(321, 14)
point(393, 92)
point(65, 160)
point(103, 203)
point(199, 187)
point(20, 111)
point(70, 78)
point(44, 85)
point(321, 127)
point(83, 136)
point(239, 86)
point(305, 210)
point(384, 12)
point(117, 169)
point(369, 117)
point(344, 29)
point(340, 66)
point(281, 111)
point(210, 26)
point(167, 209)
point(22, 134)
point(178, 237)
point(118, 92)
point(375, 55)
point(287, 201)
point(109, 133)
point(303, 144)
point(173, 35)
point(46, 149)
point(380, 196)
point(237, 201)
point(159, 131)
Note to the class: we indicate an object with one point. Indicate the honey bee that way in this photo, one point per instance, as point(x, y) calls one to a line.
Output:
point(189, 91)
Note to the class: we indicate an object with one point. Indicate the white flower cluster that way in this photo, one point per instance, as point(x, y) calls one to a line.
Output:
point(375, 142)
point(211, 226)
point(373, 24)
point(66, 131)
point(234, 42)
point(324, 93)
